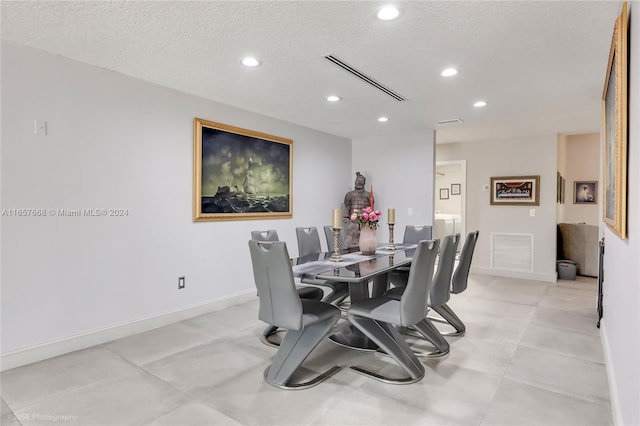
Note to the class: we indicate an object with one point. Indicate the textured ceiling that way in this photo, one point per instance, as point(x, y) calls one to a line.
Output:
point(539, 65)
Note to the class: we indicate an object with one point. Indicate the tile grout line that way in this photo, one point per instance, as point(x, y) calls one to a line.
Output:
point(506, 370)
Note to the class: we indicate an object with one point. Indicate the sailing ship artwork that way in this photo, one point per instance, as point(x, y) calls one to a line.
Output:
point(241, 174)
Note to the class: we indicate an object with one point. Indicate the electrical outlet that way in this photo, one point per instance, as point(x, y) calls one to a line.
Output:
point(180, 283)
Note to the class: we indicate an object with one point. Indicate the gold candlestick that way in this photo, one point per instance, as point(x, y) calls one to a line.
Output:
point(391, 245)
point(335, 257)
point(391, 216)
point(336, 218)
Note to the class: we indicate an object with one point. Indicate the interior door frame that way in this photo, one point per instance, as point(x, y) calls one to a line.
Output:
point(463, 191)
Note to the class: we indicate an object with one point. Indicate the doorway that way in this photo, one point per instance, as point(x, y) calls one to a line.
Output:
point(450, 198)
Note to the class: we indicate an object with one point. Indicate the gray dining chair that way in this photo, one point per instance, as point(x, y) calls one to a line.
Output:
point(307, 322)
point(415, 233)
point(305, 292)
point(268, 235)
point(309, 243)
point(438, 296)
point(378, 318)
point(458, 285)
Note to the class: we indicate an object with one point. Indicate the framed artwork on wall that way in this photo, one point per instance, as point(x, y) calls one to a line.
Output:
point(560, 189)
point(240, 174)
point(515, 190)
point(455, 189)
point(614, 130)
point(444, 194)
point(585, 192)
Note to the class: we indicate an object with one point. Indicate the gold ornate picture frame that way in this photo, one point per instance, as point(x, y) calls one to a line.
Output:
point(614, 130)
point(240, 174)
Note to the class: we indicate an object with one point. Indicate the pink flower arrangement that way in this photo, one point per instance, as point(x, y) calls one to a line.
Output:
point(366, 217)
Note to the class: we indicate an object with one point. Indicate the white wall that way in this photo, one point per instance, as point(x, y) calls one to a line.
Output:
point(579, 160)
point(621, 322)
point(116, 142)
point(401, 170)
point(531, 155)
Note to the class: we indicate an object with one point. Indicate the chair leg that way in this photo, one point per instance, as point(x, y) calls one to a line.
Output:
point(294, 349)
point(380, 285)
point(431, 333)
point(336, 296)
point(268, 332)
point(389, 339)
point(339, 291)
point(452, 319)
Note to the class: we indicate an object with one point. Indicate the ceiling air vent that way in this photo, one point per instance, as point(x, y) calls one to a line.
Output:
point(451, 121)
point(362, 76)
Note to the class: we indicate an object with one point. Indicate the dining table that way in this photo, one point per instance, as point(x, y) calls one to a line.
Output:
point(367, 276)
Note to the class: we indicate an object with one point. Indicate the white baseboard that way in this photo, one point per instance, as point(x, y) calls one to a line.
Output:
point(96, 337)
point(549, 278)
point(613, 389)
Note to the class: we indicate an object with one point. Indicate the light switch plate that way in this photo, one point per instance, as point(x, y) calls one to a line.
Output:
point(40, 127)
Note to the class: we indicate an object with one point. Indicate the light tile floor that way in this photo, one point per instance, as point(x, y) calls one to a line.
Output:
point(531, 356)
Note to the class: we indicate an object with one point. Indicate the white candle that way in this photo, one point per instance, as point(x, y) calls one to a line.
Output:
point(391, 216)
point(337, 218)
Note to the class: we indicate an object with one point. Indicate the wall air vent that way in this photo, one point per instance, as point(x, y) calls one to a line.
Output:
point(362, 76)
point(451, 121)
point(512, 251)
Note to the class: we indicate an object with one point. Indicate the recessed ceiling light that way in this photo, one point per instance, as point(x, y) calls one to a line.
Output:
point(250, 62)
point(480, 104)
point(333, 98)
point(388, 13)
point(449, 72)
point(383, 119)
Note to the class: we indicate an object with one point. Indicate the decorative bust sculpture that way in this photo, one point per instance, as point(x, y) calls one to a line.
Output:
point(356, 199)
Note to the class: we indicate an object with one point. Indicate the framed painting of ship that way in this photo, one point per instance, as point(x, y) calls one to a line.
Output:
point(240, 174)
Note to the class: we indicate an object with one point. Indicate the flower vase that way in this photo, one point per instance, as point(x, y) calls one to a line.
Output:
point(368, 240)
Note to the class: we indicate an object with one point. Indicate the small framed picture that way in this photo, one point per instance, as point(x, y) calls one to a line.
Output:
point(444, 194)
point(585, 192)
point(455, 189)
